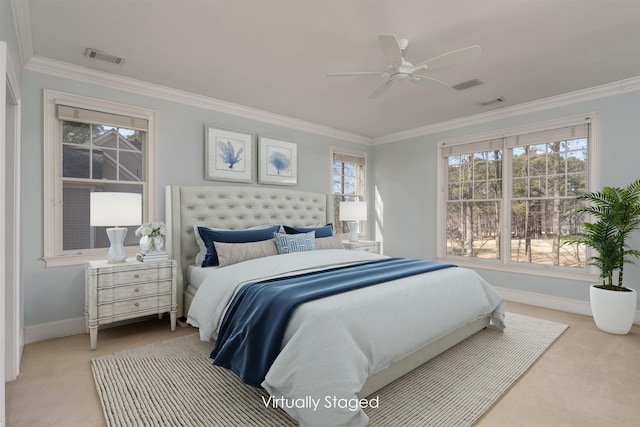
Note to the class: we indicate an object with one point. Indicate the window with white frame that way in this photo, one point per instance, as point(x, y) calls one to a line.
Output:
point(91, 146)
point(510, 200)
point(348, 182)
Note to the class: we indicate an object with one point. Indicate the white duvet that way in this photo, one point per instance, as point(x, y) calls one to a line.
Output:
point(333, 344)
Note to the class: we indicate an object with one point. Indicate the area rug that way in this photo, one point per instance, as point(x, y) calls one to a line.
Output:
point(173, 383)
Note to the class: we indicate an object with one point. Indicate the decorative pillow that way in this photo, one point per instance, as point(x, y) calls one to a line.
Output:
point(202, 253)
point(211, 235)
point(233, 253)
point(333, 242)
point(300, 242)
point(324, 231)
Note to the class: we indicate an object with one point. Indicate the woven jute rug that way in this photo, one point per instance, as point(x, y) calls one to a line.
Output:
point(173, 383)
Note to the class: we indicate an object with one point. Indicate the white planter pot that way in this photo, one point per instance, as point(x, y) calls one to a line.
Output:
point(613, 311)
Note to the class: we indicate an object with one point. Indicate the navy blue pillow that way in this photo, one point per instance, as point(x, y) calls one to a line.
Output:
point(324, 231)
point(209, 236)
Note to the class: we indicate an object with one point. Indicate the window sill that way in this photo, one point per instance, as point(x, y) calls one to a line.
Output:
point(535, 270)
point(82, 258)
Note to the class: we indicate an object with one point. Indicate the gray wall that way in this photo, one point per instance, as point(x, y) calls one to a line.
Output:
point(404, 174)
point(55, 294)
point(8, 35)
point(401, 175)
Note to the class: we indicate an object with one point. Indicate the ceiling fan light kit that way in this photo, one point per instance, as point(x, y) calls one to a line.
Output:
point(400, 69)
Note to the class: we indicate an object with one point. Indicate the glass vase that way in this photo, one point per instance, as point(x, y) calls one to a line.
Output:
point(151, 244)
point(157, 244)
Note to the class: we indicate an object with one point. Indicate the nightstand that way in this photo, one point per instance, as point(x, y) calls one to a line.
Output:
point(362, 245)
point(128, 290)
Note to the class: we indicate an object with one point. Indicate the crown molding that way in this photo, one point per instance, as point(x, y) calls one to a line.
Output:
point(69, 71)
point(22, 23)
point(83, 74)
point(609, 89)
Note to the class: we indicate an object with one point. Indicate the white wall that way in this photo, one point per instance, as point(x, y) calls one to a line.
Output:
point(9, 57)
point(3, 246)
point(404, 174)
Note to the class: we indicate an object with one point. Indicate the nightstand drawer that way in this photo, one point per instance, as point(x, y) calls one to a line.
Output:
point(134, 306)
point(122, 291)
point(133, 291)
point(134, 276)
point(363, 245)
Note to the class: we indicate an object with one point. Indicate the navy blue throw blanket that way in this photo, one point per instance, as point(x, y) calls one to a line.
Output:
point(253, 327)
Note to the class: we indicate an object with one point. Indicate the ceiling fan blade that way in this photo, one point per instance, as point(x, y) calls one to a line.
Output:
point(429, 82)
point(357, 73)
point(380, 89)
point(391, 49)
point(450, 58)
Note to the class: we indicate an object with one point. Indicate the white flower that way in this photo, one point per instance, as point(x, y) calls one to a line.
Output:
point(152, 229)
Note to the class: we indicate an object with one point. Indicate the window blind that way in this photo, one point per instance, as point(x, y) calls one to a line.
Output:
point(81, 115)
point(548, 136)
point(474, 147)
point(540, 137)
point(348, 158)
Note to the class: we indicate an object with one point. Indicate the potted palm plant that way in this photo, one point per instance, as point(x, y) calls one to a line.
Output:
point(617, 214)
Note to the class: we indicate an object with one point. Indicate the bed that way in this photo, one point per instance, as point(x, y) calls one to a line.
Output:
point(343, 347)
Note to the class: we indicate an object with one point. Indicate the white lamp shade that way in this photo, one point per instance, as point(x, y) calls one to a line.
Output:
point(115, 209)
point(353, 211)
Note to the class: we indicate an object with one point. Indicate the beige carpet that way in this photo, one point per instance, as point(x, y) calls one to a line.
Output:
point(173, 384)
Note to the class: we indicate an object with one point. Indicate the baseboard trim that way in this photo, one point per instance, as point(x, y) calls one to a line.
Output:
point(68, 327)
point(549, 301)
point(65, 328)
point(57, 329)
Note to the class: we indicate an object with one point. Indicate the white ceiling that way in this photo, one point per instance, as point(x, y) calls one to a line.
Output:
point(274, 55)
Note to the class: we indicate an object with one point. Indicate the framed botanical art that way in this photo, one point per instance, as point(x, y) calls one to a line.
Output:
point(228, 155)
point(278, 161)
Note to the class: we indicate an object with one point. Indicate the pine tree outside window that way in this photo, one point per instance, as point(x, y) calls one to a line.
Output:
point(509, 200)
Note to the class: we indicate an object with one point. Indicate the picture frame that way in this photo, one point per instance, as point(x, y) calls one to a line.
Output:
point(277, 161)
point(228, 155)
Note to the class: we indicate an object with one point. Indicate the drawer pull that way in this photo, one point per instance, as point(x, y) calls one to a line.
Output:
point(136, 276)
point(136, 290)
point(137, 304)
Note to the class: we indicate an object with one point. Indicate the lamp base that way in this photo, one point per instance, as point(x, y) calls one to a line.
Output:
point(116, 252)
point(353, 231)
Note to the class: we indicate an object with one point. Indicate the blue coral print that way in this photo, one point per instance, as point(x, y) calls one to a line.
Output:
point(279, 161)
point(228, 153)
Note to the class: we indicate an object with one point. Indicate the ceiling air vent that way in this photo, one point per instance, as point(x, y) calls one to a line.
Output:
point(491, 101)
point(103, 56)
point(468, 84)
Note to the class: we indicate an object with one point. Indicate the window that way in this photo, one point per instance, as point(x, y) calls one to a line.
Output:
point(348, 182)
point(90, 146)
point(509, 200)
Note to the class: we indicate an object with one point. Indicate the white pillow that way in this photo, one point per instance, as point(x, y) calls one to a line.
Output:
point(333, 242)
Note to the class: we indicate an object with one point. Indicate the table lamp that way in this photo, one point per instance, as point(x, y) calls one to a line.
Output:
point(115, 210)
point(353, 212)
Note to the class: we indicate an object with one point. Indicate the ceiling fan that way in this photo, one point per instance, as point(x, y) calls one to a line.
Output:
point(400, 69)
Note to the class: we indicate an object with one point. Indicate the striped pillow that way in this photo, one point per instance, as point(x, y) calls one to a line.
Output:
point(288, 243)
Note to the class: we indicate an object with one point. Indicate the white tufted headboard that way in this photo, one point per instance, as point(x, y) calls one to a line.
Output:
point(232, 208)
